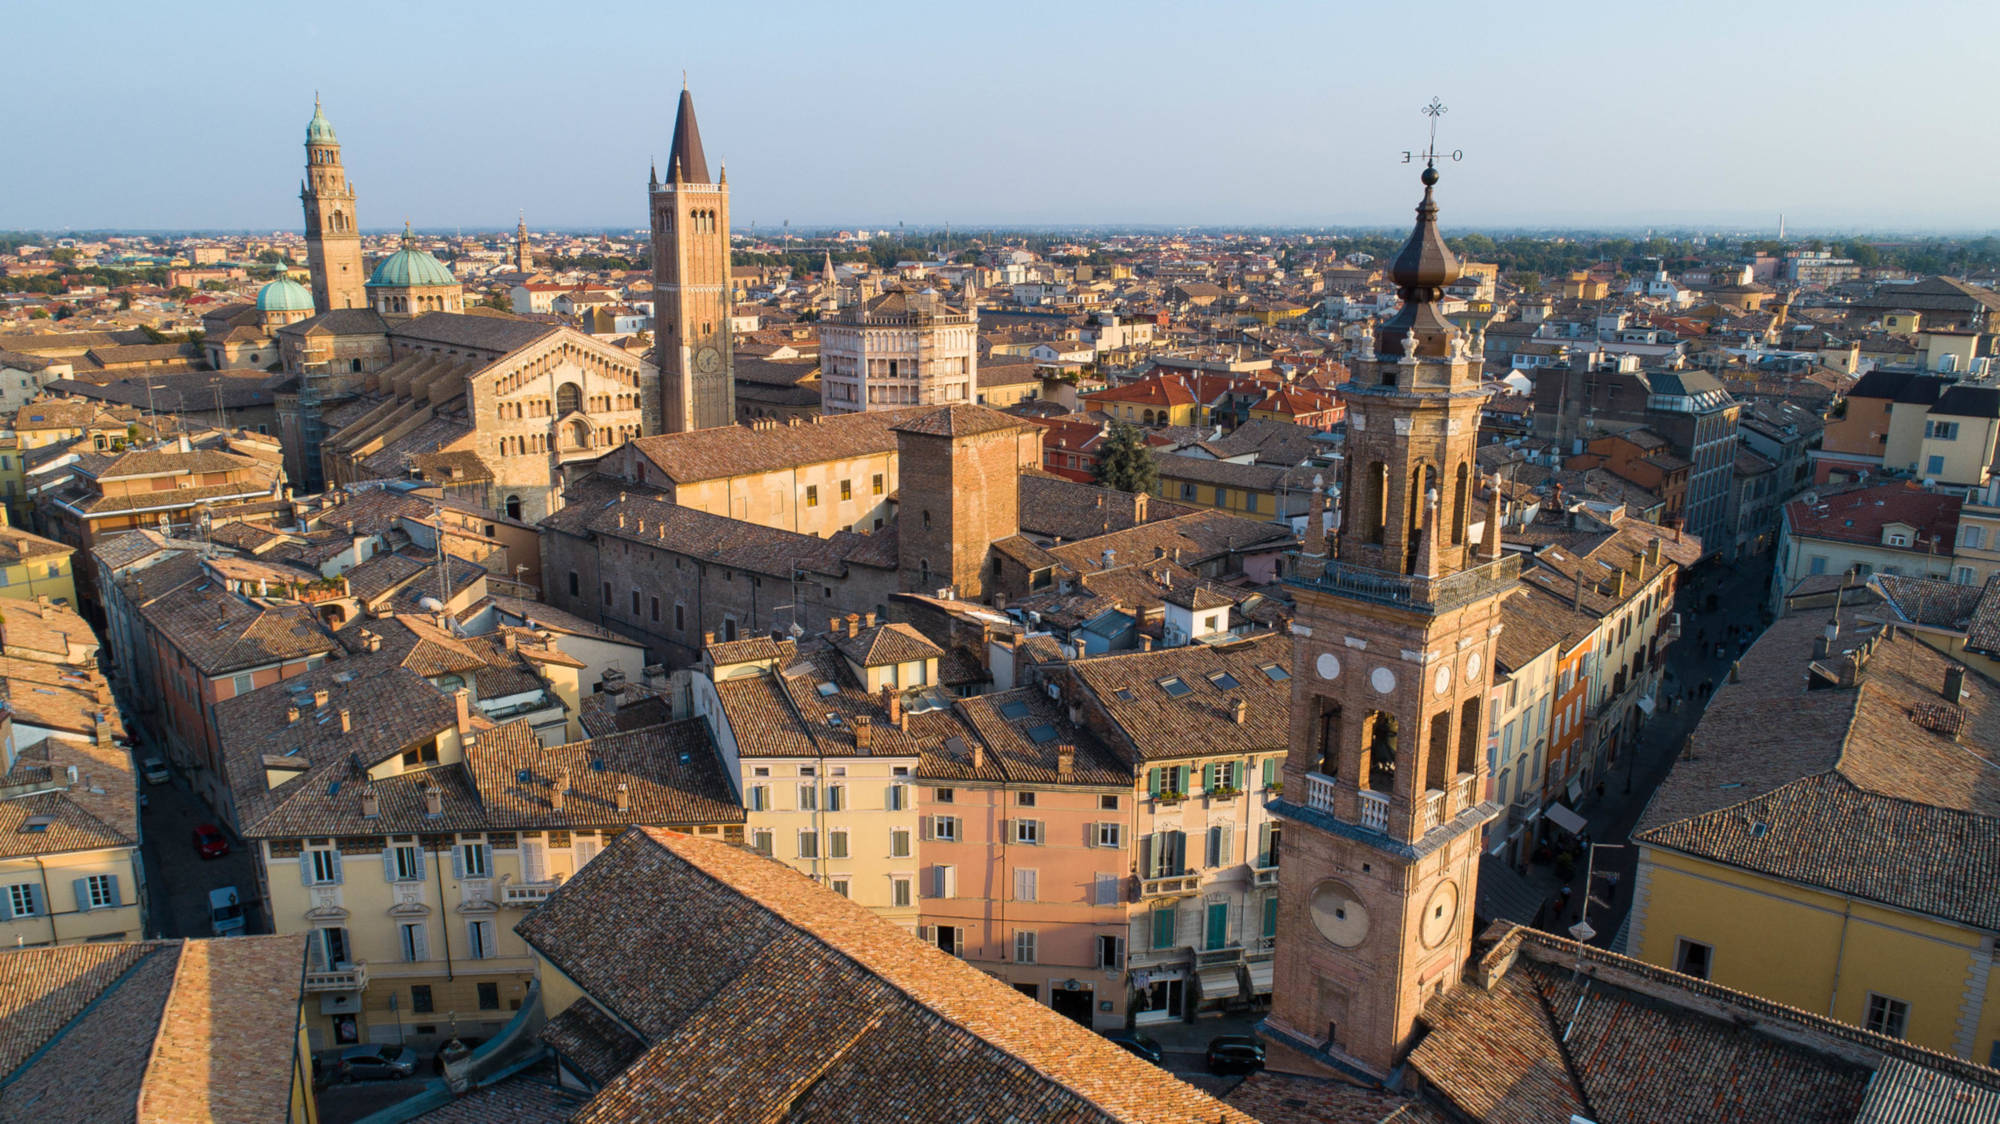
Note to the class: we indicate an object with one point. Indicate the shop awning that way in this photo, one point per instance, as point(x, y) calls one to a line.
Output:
point(1575, 788)
point(1219, 983)
point(1646, 704)
point(1261, 975)
point(1564, 817)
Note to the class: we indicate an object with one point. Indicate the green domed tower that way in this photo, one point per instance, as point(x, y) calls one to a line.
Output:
point(282, 302)
point(410, 282)
point(333, 235)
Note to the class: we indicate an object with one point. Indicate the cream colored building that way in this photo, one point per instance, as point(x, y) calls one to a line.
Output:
point(900, 348)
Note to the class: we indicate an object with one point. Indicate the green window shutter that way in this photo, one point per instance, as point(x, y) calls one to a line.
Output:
point(1271, 916)
point(1163, 927)
point(1270, 771)
point(1153, 781)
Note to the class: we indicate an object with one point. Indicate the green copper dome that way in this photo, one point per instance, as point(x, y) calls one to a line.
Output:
point(319, 130)
point(410, 267)
point(284, 295)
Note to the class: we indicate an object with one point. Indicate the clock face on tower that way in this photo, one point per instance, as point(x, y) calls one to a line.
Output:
point(1338, 914)
point(708, 361)
point(1440, 915)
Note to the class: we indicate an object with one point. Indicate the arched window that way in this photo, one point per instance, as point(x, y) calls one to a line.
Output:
point(569, 397)
point(514, 508)
point(1375, 516)
point(1461, 505)
point(1378, 751)
point(1437, 763)
point(1469, 736)
point(1329, 738)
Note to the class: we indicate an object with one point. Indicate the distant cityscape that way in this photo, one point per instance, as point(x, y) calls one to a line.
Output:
point(696, 672)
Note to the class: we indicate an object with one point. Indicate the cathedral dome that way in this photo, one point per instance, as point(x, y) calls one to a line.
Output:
point(284, 295)
point(409, 268)
point(319, 130)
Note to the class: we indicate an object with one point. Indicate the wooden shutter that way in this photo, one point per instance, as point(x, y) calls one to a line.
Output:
point(421, 940)
point(82, 888)
point(1146, 856)
point(306, 867)
point(1153, 781)
point(389, 863)
point(335, 856)
point(1264, 844)
point(457, 862)
point(116, 900)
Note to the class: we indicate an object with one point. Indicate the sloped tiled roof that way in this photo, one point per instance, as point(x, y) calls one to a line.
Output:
point(1157, 725)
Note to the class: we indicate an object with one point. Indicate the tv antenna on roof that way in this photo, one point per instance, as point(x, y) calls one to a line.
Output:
point(1434, 110)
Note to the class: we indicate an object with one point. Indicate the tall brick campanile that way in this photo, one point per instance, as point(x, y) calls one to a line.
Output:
point(333, 236)
point(691, 293)
point(1384, 792)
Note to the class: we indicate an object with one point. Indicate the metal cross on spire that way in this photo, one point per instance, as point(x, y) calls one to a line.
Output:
point(1434, 110)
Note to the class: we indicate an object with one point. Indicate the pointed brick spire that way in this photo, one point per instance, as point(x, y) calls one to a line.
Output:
point(686, 158)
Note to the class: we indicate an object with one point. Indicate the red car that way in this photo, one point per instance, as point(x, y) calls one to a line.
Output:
point(209, 842)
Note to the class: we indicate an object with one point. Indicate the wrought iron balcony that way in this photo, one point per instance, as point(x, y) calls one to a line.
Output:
point(1436, 595)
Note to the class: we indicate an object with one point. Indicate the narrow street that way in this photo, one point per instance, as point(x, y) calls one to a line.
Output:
point(178, 879)
point(1695, 668)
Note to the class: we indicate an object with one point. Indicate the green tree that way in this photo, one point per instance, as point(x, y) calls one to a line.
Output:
point(272, 257)
point(180, 292)
point(1126, 462)
point(497, 299)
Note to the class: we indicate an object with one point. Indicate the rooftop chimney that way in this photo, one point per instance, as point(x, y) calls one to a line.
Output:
point(1065, 762)
point(291, 714)
point(1578, 599)
point(1240, 711)
point(893, 703)
point(624, 798)
point(462, 698)
point(868, 620)
point(319, 698)
point(833, 626)
point(978, 755)
point(853, 624)
point(371, 805)
point(864, 732)
point(346, 721)
point(559, 790)
point(1954, 683)
point(1145, 642)
point(433, 800)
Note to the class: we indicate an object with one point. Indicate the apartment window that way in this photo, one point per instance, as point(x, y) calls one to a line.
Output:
point(680, 617)
point(1974, 537)
point(951, 939)
point(98, 891)
point(1962, 575)
point(899, 844)
point(808, 845)
point(607, 593)
point(1692, 958)
point(846, 490)
point(322, 867)
point(812, 495)
point(944, 829)
point(1025, 799)
point(656, 610)
point(760, 842)
point(415, 945)
point(1271, 772)
point(1163, 927)
point(406, 863)
point(421, 1002)
point(1933, 465)
point(1105, 889)
point(241, 684)
point(1111, 953)
point(635, 602)
point(1110, 835)
point(479, 939)
point(878, 484)
point(1107, 803)
point(760, 798)
point(21, 900)
point(489, 996)
point(1221, 845)
point(808, 798)
point(898, 797)
point(836, 797)
point(1887, 1016)
point(1024, 946)
point(945, 795)
point(836, 844)
point(899, 892)
point(1817, 564)
point(572, 584)
point(1028, 832)
point(1026, 883)
point(840, 886)
point(472, 861)
point(944, 881)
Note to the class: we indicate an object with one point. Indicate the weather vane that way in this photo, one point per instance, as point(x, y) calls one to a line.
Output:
point(1434, 110)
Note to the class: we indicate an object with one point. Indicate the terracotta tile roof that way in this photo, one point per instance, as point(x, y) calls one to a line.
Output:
point(1860, 516)
point(1199, 537)
point(765, 996)
point(1132, 692)
point(958, 421)
point(887, 644)
point(1892, 771)
point(671, 773)
point(1023, 731)
point(591, 1041)
point(520, 1099)
point(710, 454)
point(1289, 1098)
point(150, 1031)
point(722, 653)
point(600, 508)
point(222, 632)
point(1053, 507)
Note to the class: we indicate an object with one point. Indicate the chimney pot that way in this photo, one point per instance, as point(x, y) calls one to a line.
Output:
point(346, 721)
point(462, 698)
point(291, 715)
point(853, 624)
point(1954, 683)
point(624, 797)
point(319, 698)
point(708, 638)
point(1066, 762)
point(893, 703)
point(868, 620)
point(559, 790)
point(371, 804)
point(833, 626)
point(1145, 642)
point(1240, 711)
point(433, 800)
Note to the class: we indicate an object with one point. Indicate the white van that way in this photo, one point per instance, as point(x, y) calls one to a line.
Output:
point(225, 912)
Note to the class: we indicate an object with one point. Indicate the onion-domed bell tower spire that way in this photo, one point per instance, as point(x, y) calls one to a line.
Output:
point(1384, 796)
point(333, 235)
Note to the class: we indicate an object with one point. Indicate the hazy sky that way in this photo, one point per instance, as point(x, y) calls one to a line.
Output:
point(1839, 114)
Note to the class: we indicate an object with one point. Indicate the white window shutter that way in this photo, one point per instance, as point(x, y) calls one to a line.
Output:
point(422, 942)
point(533, 867)
point(1226, 847)
point(316, 950)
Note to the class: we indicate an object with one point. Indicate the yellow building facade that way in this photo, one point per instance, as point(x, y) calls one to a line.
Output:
point(1918, 977)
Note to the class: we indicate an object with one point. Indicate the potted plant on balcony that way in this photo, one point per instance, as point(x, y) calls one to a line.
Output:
point(1225, 791)
point(1169, 796)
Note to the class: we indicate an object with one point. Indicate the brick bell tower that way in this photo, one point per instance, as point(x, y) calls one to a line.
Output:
point(1385, 783)
point(333, 236)
point(691, 290)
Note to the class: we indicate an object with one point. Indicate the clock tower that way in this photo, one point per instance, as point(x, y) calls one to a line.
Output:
point(1385, 783)
point(691, 288)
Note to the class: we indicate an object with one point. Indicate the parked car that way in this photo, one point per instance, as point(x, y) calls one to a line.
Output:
point(225, 912)
point(471, 1043)
point(377, 1062)
point(1138, 1045)
point(155, 771)
point(1235, 1053)
point(209, 842)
